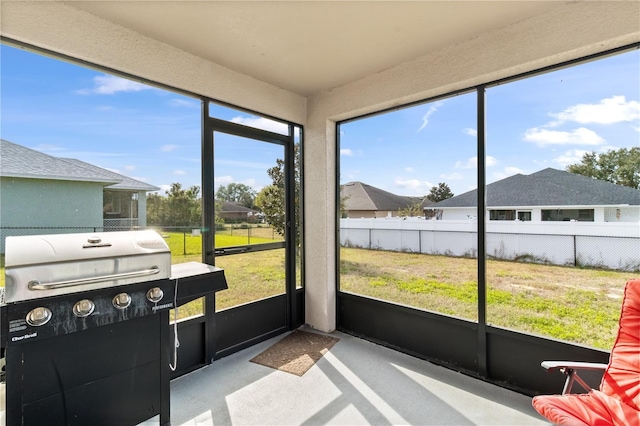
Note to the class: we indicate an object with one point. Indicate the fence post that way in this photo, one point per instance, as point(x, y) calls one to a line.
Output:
point(249, 235)
point(184, 242)
point(575, 251)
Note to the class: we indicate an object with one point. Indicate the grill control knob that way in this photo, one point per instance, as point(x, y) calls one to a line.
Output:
point(155, 295)
point(122, 301)
point(38, 316)
point(83, 308)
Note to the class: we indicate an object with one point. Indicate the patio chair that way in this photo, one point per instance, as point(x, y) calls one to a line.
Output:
point(617, 402)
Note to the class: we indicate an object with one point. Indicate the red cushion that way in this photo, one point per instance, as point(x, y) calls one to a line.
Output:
point(622, 377)
point(592, 409)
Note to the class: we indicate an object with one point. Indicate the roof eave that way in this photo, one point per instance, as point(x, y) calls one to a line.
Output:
point(64, 178)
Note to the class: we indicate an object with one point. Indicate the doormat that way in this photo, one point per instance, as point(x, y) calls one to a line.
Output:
point(297, 352)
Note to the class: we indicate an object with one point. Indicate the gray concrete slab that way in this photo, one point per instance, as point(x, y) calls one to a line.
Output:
point(355, 383)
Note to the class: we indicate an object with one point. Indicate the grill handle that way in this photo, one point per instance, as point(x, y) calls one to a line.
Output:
point(37, 285)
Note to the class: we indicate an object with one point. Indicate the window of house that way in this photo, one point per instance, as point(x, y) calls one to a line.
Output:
point(502, 215)
point(566, 215)
point(524, 215)
point(112, 204)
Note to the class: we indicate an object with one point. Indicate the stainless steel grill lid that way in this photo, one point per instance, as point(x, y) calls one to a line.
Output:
point(39, 266)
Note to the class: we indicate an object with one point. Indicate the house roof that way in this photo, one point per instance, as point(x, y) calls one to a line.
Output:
point(125, 181)
point(19, 161)
point(548, 187)
point(230, 207)
point(360, 196)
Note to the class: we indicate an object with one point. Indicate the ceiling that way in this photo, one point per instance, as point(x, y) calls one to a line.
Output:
point(309, 46)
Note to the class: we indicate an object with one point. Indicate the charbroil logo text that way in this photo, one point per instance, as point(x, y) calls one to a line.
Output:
point(165, 306)
point(26, 336)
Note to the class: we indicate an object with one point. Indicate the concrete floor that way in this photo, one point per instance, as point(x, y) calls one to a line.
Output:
point(356, 382)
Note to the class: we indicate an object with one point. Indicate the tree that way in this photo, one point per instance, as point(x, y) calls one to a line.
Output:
point(621, 166)
point(180, 207)
point(343, 204)
point(237, 193)
point(412, 210)
point(271, 199)
point(440, 192)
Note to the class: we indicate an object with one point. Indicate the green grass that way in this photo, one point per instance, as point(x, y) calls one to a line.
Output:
point(573, 304)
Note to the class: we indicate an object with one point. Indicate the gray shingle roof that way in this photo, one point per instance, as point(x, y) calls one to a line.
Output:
point(360, 196)
point(548, 187)
point(22, 162)
point(229, 207)
point(18, 161)
point(125, 181)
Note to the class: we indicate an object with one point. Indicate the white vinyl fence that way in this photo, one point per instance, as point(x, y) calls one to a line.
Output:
point(602, 245)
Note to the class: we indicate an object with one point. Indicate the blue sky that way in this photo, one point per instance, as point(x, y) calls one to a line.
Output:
point(549, 120)
point(153, 135)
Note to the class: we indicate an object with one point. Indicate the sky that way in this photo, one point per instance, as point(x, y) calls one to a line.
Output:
point(549, 120)
point(153, 135)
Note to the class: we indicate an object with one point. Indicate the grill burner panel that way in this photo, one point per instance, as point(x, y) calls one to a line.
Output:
point(65, 321)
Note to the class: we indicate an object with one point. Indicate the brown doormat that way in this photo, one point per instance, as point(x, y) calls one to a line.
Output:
point(297, 352)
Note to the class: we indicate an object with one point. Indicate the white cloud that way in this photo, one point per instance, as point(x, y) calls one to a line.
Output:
point(409, 169)
point(110, 84)
point(168, 148)
point(579, 136)
point(470, 132)
point(425, 118)
point(183, 103)
point(413, 186)
point(164, 188)
point(48, 148)
point(346, 152)
point(452, 176)
point(472, 163)
point(222, 180)
point(262, 123)
point(179, 172)
point(508, 171)
point(571, 156)
point(129, 168)
point(615, 109)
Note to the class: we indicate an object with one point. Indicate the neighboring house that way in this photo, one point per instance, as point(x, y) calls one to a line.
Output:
point(236, 213)
point(43, 194)
point(547, 195)
point(365, 201)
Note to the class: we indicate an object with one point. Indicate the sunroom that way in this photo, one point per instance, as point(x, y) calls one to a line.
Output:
point(305, 93)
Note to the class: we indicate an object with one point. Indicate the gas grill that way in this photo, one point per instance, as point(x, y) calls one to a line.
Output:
point(87, 328)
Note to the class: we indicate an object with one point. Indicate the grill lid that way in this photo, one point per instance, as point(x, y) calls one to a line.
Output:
point(48, 265)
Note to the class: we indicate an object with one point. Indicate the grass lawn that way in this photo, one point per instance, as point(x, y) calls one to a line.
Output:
point(573, 304)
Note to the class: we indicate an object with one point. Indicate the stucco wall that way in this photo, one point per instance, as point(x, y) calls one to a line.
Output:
point(48, 203)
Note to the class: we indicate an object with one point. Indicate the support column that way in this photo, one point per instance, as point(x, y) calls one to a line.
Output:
point(320, 223)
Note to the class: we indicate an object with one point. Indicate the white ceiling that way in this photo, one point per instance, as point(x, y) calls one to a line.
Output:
point(309, 46)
